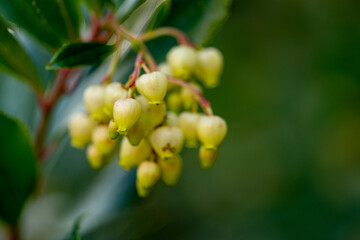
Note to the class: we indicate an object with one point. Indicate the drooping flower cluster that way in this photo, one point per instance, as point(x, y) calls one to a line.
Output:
point(156, 123)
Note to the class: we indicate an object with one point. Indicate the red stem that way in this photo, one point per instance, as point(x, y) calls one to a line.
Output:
point(47, 103)
point(205, 104)
point(95, 28)
point(168, 31)
point(99, 30)
point(146, 69)
point(136, 72)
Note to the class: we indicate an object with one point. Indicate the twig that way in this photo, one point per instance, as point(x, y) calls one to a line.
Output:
point(47, 104)
point(167, 31)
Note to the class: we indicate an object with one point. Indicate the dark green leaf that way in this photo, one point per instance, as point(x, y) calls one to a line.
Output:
point(14, 60)
point(74, 234)
point(200, 19)
point(51, 22)
point(80, 54)
point(17, 168)
point(160, 15)
point(126, 7)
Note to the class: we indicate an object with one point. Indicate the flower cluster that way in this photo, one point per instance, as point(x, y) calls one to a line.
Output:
point(156, 113)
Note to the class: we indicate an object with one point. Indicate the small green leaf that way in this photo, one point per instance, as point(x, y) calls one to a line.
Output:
point(50, 22)
point(14, 60)
point(17, 168)
point(80, 54)
point(160, 15)
point(200, 19)
point(74, 234)
point(126, 7)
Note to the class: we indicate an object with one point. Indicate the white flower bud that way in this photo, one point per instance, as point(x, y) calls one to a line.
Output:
point(152, 86)
point(152, 115)
point(148, 173)
point(80, 128)
point(94, 102)
point(126, 112)
point(211, 131)
point(188, 123)
point(95, 158)
point(131, 156)
point(136, 132)
point(142, 191)
point(167, 141)
point(165, 68)
point(112, 127)
point(207, 157)
point(182, 61)
point(209, 66)
point(172, 119)
point(102, 141)
point(113, 92)
point(171, 170)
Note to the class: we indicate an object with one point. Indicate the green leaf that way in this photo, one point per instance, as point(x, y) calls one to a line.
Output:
point(200, 19)
point(51, 22)
point(80, 54)
point(14, 60)
point(160, 15)
point(126, 7)
point(17, 168)
point(74, 234)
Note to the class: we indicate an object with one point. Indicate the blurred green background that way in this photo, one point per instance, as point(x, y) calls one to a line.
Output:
point(289, 167)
